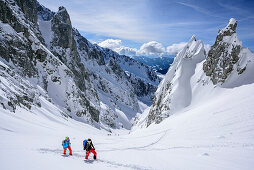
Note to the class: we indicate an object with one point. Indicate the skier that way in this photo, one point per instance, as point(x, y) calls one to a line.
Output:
point(66, 144)
point(88, 146)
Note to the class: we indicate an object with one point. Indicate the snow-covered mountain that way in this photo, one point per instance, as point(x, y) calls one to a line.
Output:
point(24, 51)
point(176, 84)
point(143, 79)
point(158, 64)
point(51, 84)
point(193, 77)
point(88, 83)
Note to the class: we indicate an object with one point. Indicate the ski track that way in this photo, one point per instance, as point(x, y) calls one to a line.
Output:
point(5, 129)
point(111, 163)
point(214, 146)
point(139, 147)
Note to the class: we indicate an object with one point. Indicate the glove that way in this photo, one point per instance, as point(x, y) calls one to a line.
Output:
point(93, 148)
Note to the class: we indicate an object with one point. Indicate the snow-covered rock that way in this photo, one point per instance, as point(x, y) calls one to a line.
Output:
point(23, 51)
point(143, 79)
point(192, 78)
point(119, 103)
point(44, 14)
point(229, 63)
point(89, 83)
point(174, 92)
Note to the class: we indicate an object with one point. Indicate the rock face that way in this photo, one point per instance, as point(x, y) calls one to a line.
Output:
point(119, 81)
point(86, 82)
point(174, 92)
point(28, 7)
point(18, 24)
point(224, 54)
point(143, 79)
point(62, 29)
point(118, 100)
point(23, 51)
point(44, 13)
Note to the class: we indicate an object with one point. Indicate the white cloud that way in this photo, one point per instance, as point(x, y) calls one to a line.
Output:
point(116, 46)
point(152, 48)
point(110, 43)
point(175, 48)
point(126, 51)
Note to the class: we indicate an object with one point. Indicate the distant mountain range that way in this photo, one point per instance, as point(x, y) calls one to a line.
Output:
point(158, 64)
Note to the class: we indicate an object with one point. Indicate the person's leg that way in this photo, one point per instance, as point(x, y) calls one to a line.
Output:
point(69, 147)
point(94, 153)
point(87, 154)
point(64, 151)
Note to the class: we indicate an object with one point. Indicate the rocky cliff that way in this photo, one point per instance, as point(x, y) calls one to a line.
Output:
point(227, 57)
point(84, 81)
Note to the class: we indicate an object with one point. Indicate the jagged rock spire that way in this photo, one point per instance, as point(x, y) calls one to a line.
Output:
point(224, 54)
point(62, 28)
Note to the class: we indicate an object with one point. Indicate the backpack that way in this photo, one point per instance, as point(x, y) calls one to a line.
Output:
point(84, 142)
point(65, 144)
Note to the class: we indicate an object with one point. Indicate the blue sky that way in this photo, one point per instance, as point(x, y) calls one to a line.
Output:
point(153, 24)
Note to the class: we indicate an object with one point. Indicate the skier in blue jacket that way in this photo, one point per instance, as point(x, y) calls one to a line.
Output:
point(67, 144)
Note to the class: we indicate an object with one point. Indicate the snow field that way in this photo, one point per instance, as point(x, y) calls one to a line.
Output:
point(216, 134)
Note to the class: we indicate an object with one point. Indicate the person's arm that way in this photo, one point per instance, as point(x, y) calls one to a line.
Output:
point(85, 146)
point(92, 145)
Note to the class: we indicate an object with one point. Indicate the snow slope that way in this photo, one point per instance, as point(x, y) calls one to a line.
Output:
point(175, 90)
point(210, 135)
point(212, 129)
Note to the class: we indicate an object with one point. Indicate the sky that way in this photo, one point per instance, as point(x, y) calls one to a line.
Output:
point(156, 27)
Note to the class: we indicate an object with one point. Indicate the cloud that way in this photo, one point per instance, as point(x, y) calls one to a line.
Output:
point(115, 45)
point(110, 43)
point(175, 48)
point(126, 51)
point(152, 48)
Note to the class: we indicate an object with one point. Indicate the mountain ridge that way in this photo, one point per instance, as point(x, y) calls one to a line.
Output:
point(190, 80)
point(88, 83)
